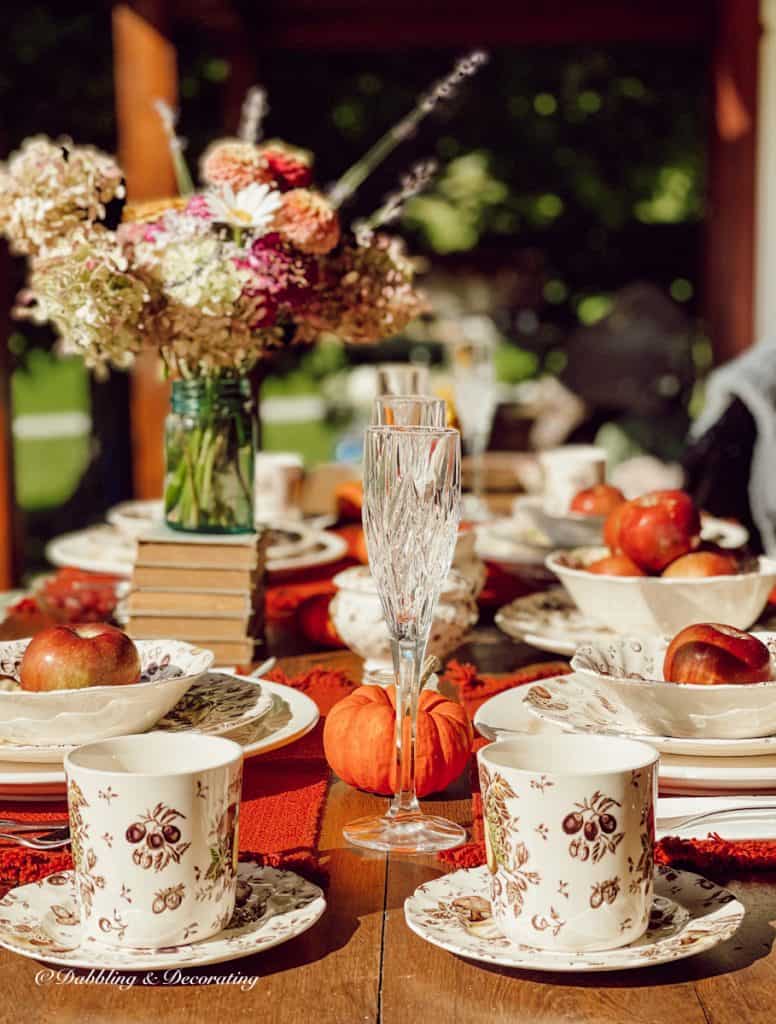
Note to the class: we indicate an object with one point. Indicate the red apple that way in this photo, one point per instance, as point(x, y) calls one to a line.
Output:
point(701, 563)
point(658, 528)
point(711, 654)
point(599, 500)
point(70, 657)
point(615, 565)
point(612, 528)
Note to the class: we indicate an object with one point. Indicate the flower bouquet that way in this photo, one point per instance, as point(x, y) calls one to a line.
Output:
point(213, 280)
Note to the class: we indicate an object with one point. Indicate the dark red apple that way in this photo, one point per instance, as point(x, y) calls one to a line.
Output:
point(615, 565)
point(710, 654)
point(70, 657)
point(658, 528)
point(700, 564)
point(599, 500)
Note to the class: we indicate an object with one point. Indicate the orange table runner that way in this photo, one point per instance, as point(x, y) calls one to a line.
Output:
point(284, 794)
point(713, 854)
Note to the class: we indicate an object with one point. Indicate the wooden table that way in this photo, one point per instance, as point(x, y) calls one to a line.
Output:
point(361, 964)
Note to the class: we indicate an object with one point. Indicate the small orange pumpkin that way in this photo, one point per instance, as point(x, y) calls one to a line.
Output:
point(359, 740)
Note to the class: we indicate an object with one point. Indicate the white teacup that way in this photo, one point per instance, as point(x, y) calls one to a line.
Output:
point(569, 830)
point(154, 822)
point(278, 485)
point(567, 471)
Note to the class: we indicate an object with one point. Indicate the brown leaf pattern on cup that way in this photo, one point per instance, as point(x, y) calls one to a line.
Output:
point(594, 828)
point(495, 793)
point(157, 838)
point(604, 892)
point(116, 926)
point(553, 923)
point(519, 878)
point(79, 829)
point(168, 899)
point(223, 855)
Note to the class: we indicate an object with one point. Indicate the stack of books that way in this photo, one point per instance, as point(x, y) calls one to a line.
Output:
point(204, 588)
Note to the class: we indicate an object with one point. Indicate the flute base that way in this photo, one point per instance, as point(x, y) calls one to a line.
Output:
point(413, 832)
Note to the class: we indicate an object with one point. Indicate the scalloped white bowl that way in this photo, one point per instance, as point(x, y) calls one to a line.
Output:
point(651, 604)
point(169, 668)
point(629, 670)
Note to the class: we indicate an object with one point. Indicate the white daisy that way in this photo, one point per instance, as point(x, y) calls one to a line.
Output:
point(252, 207)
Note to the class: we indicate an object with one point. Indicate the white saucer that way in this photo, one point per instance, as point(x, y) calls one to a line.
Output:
point(515, 546)
point(291, 716)
point(217, 703)
point(550, 621)
point(689, 915)
point(575, 706)
point(106, 549)
point(40, 921)
point(507, 714)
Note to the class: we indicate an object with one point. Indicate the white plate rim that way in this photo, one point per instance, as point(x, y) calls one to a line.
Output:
point(25, 777)
point(559, 961)
point(59, 551)
point(755, 746)
point(317, 908)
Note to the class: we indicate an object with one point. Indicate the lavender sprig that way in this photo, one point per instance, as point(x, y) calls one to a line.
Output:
point(254, 109)
point(441, 92)
point(415, 181)
point(177, 144)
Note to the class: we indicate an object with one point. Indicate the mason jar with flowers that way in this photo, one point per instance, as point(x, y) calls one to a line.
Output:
point(214, 280)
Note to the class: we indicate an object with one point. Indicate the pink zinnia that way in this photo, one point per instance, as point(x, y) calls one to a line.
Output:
point(280, 277)
point(307, 221)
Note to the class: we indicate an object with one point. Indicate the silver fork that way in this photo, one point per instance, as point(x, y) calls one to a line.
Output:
point(666, 824)
point(54, 839)
point(14, 825)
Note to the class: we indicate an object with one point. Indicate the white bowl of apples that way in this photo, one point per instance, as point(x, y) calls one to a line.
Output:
point(78, 683)
point(582, 525)
point(656, 576)
point(711, 681)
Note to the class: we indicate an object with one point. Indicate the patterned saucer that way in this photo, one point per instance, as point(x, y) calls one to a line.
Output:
point(571, 703)
point(550, 621)
point(215, 704)
point(41, 921)
point(689, 915)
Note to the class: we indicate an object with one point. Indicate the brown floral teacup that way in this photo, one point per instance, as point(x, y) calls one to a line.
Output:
point(569, 830)
point(153, 822)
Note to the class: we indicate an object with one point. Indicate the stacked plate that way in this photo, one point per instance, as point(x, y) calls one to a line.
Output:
point(712, 739)
point(177, 692)
point(110, 548)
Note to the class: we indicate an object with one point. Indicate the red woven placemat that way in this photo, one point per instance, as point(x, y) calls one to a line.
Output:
point(702, 855)
point(283, 798)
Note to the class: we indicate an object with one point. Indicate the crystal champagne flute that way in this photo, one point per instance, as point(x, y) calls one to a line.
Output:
point(409, 411)
point(412, 496)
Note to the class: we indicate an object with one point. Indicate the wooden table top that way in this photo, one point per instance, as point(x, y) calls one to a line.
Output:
point(361, 964)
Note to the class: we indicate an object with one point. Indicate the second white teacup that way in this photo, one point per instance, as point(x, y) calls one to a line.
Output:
point(569, 831)
point(567, 470)
point(154, 827)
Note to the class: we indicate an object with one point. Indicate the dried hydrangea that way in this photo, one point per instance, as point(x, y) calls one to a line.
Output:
point(49, 190)
point(368, 294)
point(192, 344)
point(307, 220)
point(201, 273)
point(97, 305)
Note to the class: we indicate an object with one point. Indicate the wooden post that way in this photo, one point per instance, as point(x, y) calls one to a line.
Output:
point(11, 540)
point(145, 70)
point(730, 234)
